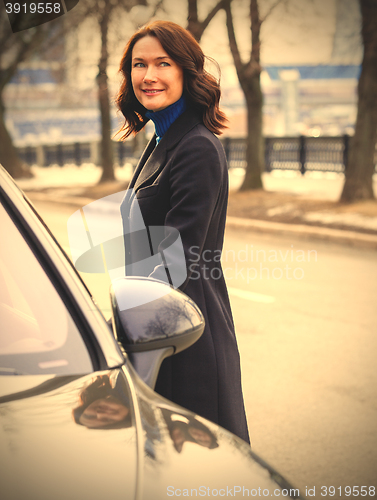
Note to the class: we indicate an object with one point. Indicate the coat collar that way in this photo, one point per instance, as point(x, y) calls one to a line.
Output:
point(153, 158)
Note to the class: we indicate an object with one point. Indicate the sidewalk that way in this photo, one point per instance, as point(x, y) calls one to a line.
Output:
point(302, 206)
point(305, 207)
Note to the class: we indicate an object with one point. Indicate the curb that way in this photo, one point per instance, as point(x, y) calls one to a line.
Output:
point(340, 236)
point(344, 237)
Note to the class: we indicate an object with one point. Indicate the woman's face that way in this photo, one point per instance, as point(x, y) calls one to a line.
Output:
point(201, 437)
point(102, 412)
point(156, 79)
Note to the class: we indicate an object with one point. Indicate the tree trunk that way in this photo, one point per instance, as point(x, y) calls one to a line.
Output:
point(8, 153)
point(254, 140)
point(107, 156)
point(249, 78)
point(196, 27)
point(193, 25)
point(360, 169)
point(14, 48)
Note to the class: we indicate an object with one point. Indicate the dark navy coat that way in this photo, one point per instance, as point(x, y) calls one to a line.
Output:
point(182, 183)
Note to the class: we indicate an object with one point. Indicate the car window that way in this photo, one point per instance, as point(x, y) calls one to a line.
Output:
point(37, 333)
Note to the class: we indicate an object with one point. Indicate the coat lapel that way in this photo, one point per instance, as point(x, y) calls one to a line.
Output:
point(130, 193)
point(150, 165)
point(153, 160)
point(144, 157)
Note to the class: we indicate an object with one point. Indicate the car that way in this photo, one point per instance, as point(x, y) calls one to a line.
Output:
point(79, 417)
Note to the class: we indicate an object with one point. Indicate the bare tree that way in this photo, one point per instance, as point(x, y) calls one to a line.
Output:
point(105, 12)
point(249, 77)
point(18, 47)
point(103, 16)
point(14, 49)
point(361, 162)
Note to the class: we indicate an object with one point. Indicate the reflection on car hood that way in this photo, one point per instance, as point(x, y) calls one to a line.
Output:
point(45, 454)
point(186, 455)
point(83, 438)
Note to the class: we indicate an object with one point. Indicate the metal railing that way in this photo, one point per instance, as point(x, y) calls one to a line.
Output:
point(303, 154)
point(324, 154)
point(76, 153)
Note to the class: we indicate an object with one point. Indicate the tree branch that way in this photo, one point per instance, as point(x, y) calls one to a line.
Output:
point(23, 50)
point(159, 5)
point(211, 15)
point(195, 26)
point(255, 32)
point(271, 9)
point(192, 15)
point(232, 37)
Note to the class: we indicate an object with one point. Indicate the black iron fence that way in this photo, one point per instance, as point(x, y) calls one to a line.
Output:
point(76, 153)
point(324, 154)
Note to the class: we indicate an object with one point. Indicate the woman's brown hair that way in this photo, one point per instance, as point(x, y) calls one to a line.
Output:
point(200, 89)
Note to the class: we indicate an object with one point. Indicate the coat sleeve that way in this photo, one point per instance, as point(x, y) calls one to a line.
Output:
point(197, 176)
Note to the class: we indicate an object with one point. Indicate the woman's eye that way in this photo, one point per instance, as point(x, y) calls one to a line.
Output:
point(139, 65)
point(165, 64)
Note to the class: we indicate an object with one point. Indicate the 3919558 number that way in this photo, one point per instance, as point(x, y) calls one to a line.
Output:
point(33, 8)
point(348, 491)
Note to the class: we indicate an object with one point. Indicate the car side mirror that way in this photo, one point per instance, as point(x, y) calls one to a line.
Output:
point(152, 321)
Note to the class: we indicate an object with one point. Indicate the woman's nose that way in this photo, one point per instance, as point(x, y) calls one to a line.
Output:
point(150, 75)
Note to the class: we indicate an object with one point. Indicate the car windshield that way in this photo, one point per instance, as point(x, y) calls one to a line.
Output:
point(37, 333)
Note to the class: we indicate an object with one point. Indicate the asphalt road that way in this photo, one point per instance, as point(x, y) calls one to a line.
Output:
point(306, 316)
point(308, 350)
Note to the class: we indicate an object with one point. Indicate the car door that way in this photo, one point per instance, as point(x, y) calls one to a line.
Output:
point(67, 418)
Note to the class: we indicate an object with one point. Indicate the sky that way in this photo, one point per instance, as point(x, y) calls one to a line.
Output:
point(301, 32)
point(296, 32)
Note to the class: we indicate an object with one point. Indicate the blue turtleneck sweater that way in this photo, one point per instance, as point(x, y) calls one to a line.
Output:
point(164, 118)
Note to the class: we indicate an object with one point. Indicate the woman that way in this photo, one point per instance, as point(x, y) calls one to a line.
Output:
point(182, 429)
point(104, 405)
point(181, 182)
